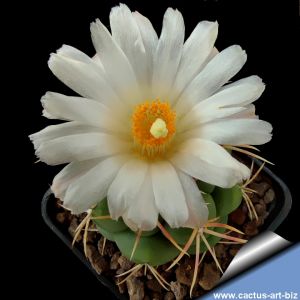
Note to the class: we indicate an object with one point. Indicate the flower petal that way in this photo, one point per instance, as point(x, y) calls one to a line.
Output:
point(209, 162)
point(195, 118)
point(75, 54)
point(228, 101)
point(248, 113)
point(215, 74)
point(83, 110)
point(235, 132)
point(150, 40)
point(142, 211)
point(125, 187)
point(168, 193)
point(87, 79)
point(196, 50)
point(92, 187)
point(198, 211)
point(55, 131)
point(241, 92)
point(168, 53)
point(116, 65)
point(130, 224)
point(78, 147)
point(126, 33)
point(212, 54)
point(69, 174)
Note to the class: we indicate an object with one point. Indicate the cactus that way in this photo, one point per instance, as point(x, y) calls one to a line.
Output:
point(221, 202)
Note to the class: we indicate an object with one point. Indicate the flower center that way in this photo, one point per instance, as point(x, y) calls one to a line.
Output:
point(153, 127)
point(159, 128)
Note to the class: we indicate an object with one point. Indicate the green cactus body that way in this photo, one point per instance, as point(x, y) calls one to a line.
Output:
point(110, 226)
point(153, 248)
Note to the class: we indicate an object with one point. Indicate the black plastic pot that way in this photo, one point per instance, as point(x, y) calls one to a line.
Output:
point(278, 211)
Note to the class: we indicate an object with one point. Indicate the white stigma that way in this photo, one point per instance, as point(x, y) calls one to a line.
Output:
point(159, 129)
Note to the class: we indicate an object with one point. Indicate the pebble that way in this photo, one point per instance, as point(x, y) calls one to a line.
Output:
point(210, 277)
point(185, 271)
point(58, 204)
point(260, 209)
point(72, 227)
point(121, 287)
point(80, 217)
point(114, 264)
point(269, 196)
point(179, 290)
point(91, 236)
point(139, 273)
point(125, 263)
point(169, 296)
point(225, 262)
point(135, 288)
point(157, 296)
point(238, 216)
point(98, 262)
point(153, 285)
point(251, 228)
point(150, 276)
point(220, 250)
point(260, 221)
point(260, 188)
point(234, 250)
point(244, 208)
point(254, 198)
point(61, 217)
point(258, 178)
point(167, 275)
point(109, 248)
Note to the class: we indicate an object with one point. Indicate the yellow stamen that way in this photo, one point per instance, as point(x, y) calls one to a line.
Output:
point(153, 127)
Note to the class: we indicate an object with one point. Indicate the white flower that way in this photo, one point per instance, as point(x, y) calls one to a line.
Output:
point(152, 117)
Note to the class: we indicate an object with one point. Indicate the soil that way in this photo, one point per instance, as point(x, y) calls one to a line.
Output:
point(109, 262)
